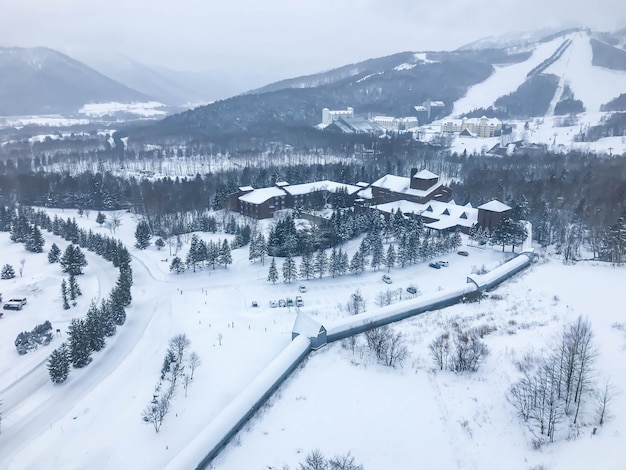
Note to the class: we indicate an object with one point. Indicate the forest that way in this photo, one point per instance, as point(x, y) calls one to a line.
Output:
point(572, 198)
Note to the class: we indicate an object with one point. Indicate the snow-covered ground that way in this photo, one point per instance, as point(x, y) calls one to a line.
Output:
point(591, 84)
point(339, 401)
point(147, 109)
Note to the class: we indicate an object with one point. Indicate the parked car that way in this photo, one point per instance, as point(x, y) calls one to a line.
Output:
point(254, 303)
point(281, 303)
point(299, 301)
point(434, 265)
point(14, 304)
point(463, 253)
point(386, 279)
point(302, 288)
point(411, 290)
point(289, 302)
point(443, 264)
point(273, 304)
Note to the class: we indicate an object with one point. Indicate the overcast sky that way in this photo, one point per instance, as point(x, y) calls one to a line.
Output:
point(282, 38)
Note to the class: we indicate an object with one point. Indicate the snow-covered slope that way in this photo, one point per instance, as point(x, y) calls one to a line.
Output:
point(442, 419)
point(592, 85)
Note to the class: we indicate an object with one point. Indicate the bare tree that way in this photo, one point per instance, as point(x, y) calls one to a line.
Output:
point(113, 221)
point(604, 397)
point(193, 362)
point(440, 350)
point(156, 411)
point(356, 304)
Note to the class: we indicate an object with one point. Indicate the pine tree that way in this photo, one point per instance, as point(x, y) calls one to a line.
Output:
point(108, 319)
point(73, 260)
point(7, 272)
point(390, 260)
point(306, 266)
point(225, 255)
point(377, 250)
point(320, 264)
point(35, 241)
point(344, 264)
point(142, 235)
point(74, 289)
point(159, 243)
point(194, 254)
point(357, 264)
point(100, 218)
point(59, 364)
point(79, 347)
point(273, 273)
point(177, 265)
point(54, 254)
point(66, 304)
point(94, 328)
point(333, 264)
point(289, 270)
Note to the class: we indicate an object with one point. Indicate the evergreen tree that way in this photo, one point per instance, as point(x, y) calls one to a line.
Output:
point(73, 260)
point(66, 304)
point(377, 250)
point(74, 289)
point(357, 264)
point(100, 218)
point(95, 328)
point(115, 307)
point(159, 243)
point(273, 273)
point(225, 255)
point(289, 270)
point(79, 347)
point(320, 265)
point(333, 264)
point(35, 241)
point(108, 319)
point(344, 264)
point(195, 252)
point(142, 235)
point(59, 364)
point(7, 272)
point(54, 254)
point(306, 266)
point(261, 247)
point(177, 265)
point(390, 260)
point(503, 234)
point(617, 240)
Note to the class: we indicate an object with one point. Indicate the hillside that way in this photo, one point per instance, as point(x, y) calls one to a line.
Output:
point(43, 81)
point(443, 419)
point(530, 76)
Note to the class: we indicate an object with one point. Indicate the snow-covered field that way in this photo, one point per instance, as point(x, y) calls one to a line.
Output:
point(339, 401)
point(591, 84)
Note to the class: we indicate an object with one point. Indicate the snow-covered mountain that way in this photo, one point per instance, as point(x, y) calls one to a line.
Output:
point(43, 81)
point(575, 76)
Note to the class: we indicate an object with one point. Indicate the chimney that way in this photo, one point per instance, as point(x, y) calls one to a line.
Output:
point(413, 172)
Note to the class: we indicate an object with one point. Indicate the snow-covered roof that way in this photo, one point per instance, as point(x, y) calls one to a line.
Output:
point(246, 188)
point(362, 184)
point(259, 196)
point(366, 193)
point(402, 184)
point(425, 175)
point(306, 326)
point(447, 214)
point(495, 206)
point(281, 184)
point(326, 185)
point(420, 108)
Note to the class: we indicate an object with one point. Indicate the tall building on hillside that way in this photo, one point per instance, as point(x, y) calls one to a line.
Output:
point(331, 115)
